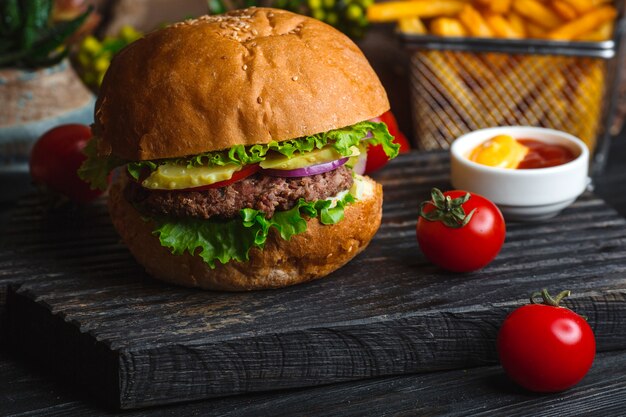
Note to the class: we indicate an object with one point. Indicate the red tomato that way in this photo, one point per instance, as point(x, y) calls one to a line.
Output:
point(448, 244)
point(376, 157)
point(546, 348)
point(55, 158)
point(237, 176)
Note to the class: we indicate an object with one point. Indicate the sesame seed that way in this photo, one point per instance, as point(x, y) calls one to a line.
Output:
point(244, 67)
point(259, 100)
point(295, 78)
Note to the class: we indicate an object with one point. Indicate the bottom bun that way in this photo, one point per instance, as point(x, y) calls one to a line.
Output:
point(310, 255)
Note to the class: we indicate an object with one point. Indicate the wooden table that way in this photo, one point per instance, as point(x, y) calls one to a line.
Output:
point(25, 390)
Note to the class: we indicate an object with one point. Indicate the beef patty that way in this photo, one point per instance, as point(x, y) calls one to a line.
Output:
point(258, 191)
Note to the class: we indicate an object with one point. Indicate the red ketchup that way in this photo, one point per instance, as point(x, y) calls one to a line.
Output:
point(544, 155)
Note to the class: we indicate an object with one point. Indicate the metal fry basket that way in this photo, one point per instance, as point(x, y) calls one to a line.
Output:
point(463, 84)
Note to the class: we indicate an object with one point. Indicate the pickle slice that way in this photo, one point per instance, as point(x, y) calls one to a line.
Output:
point(317, 156)
point(178, 177)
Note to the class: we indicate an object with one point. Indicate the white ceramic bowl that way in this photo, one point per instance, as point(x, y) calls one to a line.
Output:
point(522, 194)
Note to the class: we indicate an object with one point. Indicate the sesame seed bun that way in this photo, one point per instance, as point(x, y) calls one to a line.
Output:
point(248, 77)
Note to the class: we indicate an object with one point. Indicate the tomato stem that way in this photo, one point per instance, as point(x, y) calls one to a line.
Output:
point(547, 299)
point(447, 210)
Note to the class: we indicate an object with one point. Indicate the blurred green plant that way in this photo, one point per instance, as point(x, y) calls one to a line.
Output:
point(222, 6)
point(28, 37)
point(94, 56)
point(349, 16)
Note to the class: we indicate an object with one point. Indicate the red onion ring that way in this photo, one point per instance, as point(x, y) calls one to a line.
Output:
point(361, 163)
point(306, 171)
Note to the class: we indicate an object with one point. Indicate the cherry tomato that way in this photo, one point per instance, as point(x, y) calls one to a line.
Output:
point(460, 231)
point(237, 176)
point(55, 158)
point(376, 157)
point(544, 347)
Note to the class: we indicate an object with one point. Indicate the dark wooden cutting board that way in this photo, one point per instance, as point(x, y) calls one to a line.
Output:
point(82, 307)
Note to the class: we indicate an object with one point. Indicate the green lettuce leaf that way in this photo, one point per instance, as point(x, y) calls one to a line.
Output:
point(96, 169)
point(381, 136)
point(224, 241)
point(135, 168)
point(340, 139)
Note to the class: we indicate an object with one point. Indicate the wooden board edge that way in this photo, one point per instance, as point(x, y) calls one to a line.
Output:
point(35, 333)
point(420, 343)
point(142, 377)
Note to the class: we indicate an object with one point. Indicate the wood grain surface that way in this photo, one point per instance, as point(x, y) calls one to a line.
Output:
point(88, 311)
point(482, 391)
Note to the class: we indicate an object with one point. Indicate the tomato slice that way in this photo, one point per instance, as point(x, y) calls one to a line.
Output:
point(376, 157)
point(243, 173)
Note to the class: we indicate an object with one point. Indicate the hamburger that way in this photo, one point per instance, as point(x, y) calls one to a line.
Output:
point(239, 137)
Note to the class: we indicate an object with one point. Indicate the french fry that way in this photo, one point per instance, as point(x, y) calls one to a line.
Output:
point(545, 104)
point(433, 109)
point(500, 6)
point(463, 91)
point(537, 13)
point(412, 25)
point(511, 87)
point(459, 88)
point(586, 23)
point(497, 60)
point(495, 6)
point(501, 27)
point(582, 6)
point(588, 99)
point(550, 105)
point(482, 3)
point(394, 10)
point(604, 32)
point(473, 72)
point(517, 22)
point(559, 92)
point(474, 22)
point(447, 26)
point(535, 31)
point(513, 19)
point(565, 10)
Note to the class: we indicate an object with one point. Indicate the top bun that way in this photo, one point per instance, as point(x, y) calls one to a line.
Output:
point(247, 77)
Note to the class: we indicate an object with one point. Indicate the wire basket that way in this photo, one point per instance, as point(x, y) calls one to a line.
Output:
point(460, 85)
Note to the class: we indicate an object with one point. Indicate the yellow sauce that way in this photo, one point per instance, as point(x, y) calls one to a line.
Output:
point(501, 151)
